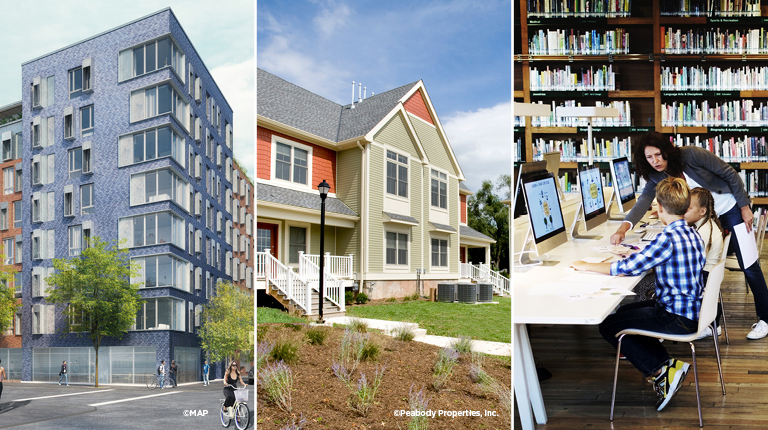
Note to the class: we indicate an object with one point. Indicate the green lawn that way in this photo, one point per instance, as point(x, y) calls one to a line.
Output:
point(484, 322)
point(271, 315)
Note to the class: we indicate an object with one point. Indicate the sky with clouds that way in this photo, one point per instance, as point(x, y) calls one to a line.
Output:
point(222, 33)
point(459, 48)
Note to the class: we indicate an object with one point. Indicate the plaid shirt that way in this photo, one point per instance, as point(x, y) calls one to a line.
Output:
point(677, 253)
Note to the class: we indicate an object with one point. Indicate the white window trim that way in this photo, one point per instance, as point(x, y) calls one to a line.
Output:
point(172, 255)
point(88, 131)
point(447, 189)
point(445, 237)
point(287, 240)
point(399, 230)
point(179, 74)
point(408, 165)
point(273, 162)
point(93, 205)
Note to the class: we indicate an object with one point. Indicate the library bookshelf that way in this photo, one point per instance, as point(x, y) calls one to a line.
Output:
point(701, 79)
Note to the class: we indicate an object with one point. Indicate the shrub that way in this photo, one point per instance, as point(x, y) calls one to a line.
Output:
point(418, 402)
point(294, 425)
point(316, 335)
point(407, 298)
point(263, 350)
point(371, 350)
point(350, 353)
point(286, 349)
point(463, 344)
point(277, 381)
point(488, 384)
point(415, 296)
point(294, 326)
point(476, 372)
point(361, 299)
point(362, 397)
point(391, 299)
point(261, 331)
point(443, 369)
point(359, 325)
point(404, 332)
point(349, 297)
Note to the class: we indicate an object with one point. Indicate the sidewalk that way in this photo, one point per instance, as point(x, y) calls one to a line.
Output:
point(484, 346)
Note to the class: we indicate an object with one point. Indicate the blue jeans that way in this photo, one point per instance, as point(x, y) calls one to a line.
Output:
point(647, 354)
point(205, 378)
point(162, 380)
point(752, 274)
point(64, 376)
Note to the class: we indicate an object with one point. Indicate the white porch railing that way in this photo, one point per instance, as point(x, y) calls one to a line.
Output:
point(288, 282)
point(334, 289)
point(260, 264)
point(339, 266)
point(483, 273)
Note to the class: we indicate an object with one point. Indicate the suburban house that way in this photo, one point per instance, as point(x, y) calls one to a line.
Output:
point(396, 209)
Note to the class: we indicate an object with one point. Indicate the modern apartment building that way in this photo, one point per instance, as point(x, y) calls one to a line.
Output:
point(124, 136)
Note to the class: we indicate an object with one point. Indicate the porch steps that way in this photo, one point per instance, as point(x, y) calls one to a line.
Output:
point(329, 309)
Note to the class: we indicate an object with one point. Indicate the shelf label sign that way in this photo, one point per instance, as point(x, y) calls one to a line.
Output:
point(568, 21)
point(519, 130)
point(737, 130)
point(615, 129)
point(569, 93)
point(701, 94)
point(737, 20)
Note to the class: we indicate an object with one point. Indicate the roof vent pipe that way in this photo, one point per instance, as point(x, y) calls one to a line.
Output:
point(353, 95)
point(372, 93)
point(359, 92)
point(365, 91)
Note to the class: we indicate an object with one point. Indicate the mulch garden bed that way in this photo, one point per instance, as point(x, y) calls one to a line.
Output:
point(322, 398)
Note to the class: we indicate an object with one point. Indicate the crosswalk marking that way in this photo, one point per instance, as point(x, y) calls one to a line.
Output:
point(63, 395)
point(135, 398)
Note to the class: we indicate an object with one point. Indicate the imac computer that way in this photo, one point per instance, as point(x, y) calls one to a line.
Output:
point(525, 169)
point(546, 225)
point(623, 189)
point(553, 167)
point(592, 207)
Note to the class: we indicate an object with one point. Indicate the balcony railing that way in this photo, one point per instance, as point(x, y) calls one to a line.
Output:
point(339, 266)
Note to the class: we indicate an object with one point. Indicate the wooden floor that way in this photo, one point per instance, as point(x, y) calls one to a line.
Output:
point(578, 396)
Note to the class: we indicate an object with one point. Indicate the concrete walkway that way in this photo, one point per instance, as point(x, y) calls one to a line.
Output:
point(484, 346)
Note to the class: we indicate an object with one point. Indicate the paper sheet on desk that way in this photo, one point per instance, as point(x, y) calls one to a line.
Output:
point(746, 243)
point(595, 293)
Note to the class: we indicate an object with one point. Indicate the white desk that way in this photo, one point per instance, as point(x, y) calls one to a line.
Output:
point(551, 309)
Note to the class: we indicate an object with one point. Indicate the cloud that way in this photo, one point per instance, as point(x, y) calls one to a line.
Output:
point(482, 142)
point(236, 83)
point(330, 19)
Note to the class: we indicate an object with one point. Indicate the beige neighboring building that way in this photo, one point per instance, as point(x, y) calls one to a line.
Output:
point(396, 203)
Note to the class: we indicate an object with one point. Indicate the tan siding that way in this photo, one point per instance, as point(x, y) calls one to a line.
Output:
point(436, 150)
point(395, 134)
point(416, 212)
point(348, 178)
point(376, 206)
point(453, 217)
point(425, 241)
point(348, 242)
point(330, 240)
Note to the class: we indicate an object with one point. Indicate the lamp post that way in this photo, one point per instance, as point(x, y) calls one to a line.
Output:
point(323, 187)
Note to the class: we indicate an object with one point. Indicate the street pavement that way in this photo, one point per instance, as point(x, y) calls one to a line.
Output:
point(50, 406)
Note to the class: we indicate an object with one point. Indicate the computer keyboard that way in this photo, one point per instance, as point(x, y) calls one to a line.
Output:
point(650, 235)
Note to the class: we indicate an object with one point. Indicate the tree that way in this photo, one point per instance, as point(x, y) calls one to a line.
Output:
point(227, 323)
point(488, 215)
point(95, 286)
point(8, 303)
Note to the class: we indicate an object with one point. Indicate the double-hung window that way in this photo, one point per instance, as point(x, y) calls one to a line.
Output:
point(86, 199)
point(75, 234)
point(68, 203)
point(4, 218)
point(397, 174)
point(9, 175)
point(397, 248)
point(439, 189)
point(75, 82)
point(86, 120)
point(291, 163)
point(7, 149)
point(8, 246)
point(297, 242)
point(75, 162)
point(18, 178)
point(439, 253)
point(17, 214)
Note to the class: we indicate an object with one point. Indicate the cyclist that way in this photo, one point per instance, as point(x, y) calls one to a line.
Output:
point(231, 378)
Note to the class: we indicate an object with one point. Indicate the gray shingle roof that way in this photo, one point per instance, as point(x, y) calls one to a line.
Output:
point(442, 226)
point(402, 217)
point(289, 104)
point(271, 193)
point(464, 187)
point(471, 232)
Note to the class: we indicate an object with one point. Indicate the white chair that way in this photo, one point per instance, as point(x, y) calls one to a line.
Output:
point(706, 319)
point(731, 262)
point(726, 242)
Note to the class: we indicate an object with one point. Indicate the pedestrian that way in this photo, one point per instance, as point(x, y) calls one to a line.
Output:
point(2, 377)
point(174, 369)
point(206, 368)
point(161, 373)
point(63, 373)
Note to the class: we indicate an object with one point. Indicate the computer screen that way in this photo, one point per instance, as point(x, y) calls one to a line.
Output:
point(622, 183)
point(524, 169)
point(591, 191)
point(543, 206)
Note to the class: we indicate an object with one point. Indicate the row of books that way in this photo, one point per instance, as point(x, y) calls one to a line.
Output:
point(693, 113)
point(568, 181)
point(600, 78)
point(518, 148)
point(623, 120)
point(519, 121)
point(710, 7)
point(731, 148)
point(714, 41)
point(579, 42)
point(577, 149)
point(714, 78)
point(579, 8)
point(756, 182)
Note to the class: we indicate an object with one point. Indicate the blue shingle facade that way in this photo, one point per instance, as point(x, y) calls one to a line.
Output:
point(111, 101)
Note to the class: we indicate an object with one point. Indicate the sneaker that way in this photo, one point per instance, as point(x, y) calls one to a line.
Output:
point(759, 330)
point(669, 381)
point(708, 333)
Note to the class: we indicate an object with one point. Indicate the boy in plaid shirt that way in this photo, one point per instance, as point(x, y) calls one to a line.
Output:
point(678, 256)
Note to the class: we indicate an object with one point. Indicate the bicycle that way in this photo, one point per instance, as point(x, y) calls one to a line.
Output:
point(152, 382)
point(242, 412)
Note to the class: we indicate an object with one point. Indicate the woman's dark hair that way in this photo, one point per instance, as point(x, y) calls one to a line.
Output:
point(705, 200)
point(669, 152)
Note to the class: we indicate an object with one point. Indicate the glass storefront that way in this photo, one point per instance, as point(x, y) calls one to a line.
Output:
point(11, 360)
point(117, 364)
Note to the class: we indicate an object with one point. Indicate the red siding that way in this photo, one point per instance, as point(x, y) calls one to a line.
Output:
point(463, 208)
point(10, 341)
point(416, 105)
point(323, 159)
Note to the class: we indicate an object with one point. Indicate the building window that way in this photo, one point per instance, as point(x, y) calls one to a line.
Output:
point(75, 82)
point(162, 313)
point(7, 150)
point(439, 253)
point(86, 199)
point(36, 215)
point(291, 163)
point(36, 248)
point(86, 120)
point(164, 271)
point(157, 100)
point(35, 172)
point(69, 132)
point(19, 247)
point(149, 57)
point(397, 248)
point(87, 78)
point(36, 135)
point(18, 180)
point(75, 234)
point(69, 209)
point(17, 214)
point(157, 143)
point(8, 176)
point(439, 191)
point(158, 186)
point(8, 250)
point(75, 162)
point(397, 174)
point(297, 242)
point(36, 95)
point(87, 161)
point(4, 219)
point(87, 237)
point(154, 229)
